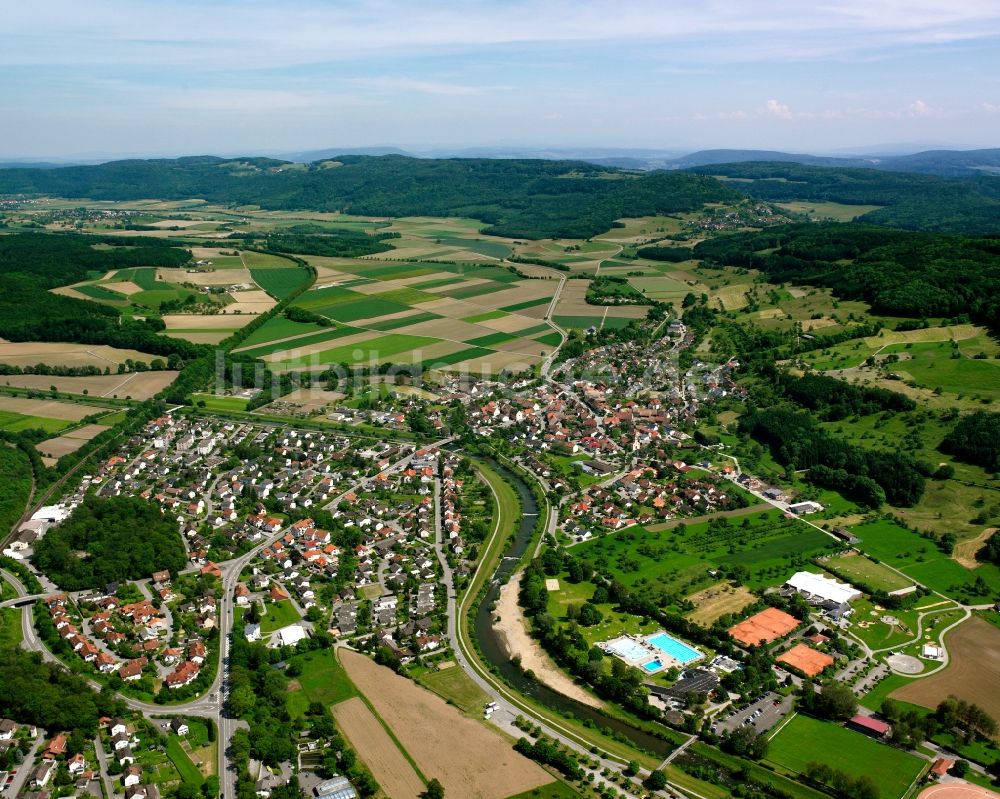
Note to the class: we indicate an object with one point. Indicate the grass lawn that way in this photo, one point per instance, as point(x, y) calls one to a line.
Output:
point(875, 575)
point(805, 740)
point(188, 771)
point(278, 615)
point(454, 686)
point(554, 790)
point(322, 680)
point(10, 628)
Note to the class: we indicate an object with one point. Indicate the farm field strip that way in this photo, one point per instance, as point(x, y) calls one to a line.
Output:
point(468, 758)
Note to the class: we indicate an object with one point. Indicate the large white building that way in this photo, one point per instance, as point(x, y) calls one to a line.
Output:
point(826, 592)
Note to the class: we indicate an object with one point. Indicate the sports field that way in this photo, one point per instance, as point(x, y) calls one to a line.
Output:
point(806, 740)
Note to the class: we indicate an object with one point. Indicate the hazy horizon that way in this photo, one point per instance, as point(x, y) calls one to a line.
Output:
point(84, 80)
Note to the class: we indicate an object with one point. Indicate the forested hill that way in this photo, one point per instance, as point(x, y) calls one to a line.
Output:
point(911, 201)
point(897, 272)
point(521, 198)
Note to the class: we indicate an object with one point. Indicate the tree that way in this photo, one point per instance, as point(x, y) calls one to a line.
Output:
point(960, 769)
point(435, 790)
point(835, 701)
point(656, 781)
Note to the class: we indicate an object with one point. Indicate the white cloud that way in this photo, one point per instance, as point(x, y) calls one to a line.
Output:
point(777, 109)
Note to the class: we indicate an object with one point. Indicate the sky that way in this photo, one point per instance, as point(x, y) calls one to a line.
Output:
point(80, 78)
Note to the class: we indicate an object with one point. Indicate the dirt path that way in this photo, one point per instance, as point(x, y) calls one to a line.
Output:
point(517, 642)
point(374, 746)
point(965, 551)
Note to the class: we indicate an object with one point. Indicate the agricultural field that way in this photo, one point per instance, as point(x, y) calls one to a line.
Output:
point(30, 353)
point(137, 385)
point(468, 758)
point(821, 211)
point(678, 560)
point(52, 416)
point(444, 316)
point(805, 740)
point(972, 673)
point(919, 558)
point(368, 737)
point(54, 448)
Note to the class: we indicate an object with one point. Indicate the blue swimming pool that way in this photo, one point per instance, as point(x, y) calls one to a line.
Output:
point(670, 646)
point(653, 665)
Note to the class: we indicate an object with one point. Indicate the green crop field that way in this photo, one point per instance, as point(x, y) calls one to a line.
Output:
point(17, 422)
point(678, 559)
point(376, 349)
point(279, 282)
point(405, 295)
point(806, 740)
point(579, 322)
point(405, 321)
point(920, 559)
point(279, 327)
point(867, 572)
point(264, 260)
point(328, 297)
point(477, 290)
point(457, 357)
point(483, 317)
point(214, 402)
point(98, 292)
point(367, 308)
point(324, 334)
point(551, 339)
point(521, 306)
point(491, 339)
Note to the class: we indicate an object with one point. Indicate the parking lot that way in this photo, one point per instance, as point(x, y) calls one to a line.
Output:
point(761, 714)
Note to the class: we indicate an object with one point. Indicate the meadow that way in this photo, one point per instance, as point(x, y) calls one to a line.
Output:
point(921, 559)
point(680, 559)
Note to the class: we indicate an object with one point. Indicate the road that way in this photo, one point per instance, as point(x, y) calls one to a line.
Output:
point(23, 770)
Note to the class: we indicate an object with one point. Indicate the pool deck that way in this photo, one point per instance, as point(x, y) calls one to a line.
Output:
point(641, 653)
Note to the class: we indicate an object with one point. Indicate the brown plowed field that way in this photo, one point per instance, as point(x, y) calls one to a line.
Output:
point(391, 770)
point(972, 673)
point(470, 760)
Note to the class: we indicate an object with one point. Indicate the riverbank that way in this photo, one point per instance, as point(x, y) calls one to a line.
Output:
point(513, 632)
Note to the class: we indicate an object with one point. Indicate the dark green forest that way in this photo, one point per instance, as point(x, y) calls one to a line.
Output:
point(45, 694)
point(911, 201)
point(33, 263)
point(521, 198)
point(897, 272)
point(124, 538)
point(976, 439)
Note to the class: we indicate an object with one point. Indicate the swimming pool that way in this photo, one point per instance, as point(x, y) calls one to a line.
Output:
point(673, 648)
point(628, 649)
point(653, 666)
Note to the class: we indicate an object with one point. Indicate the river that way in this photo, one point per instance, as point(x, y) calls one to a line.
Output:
point(493, 651)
